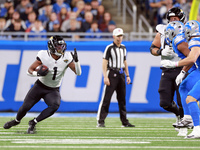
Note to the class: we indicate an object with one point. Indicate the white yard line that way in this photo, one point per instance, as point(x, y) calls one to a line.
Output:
point(85, 137)
point(76, 141)
point(101, 147)
point(95, 128)
point(93, 140)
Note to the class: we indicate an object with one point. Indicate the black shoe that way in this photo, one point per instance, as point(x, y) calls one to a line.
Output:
point(128, 125)
point(100, 125)
point(31, 128)
point(11, 123)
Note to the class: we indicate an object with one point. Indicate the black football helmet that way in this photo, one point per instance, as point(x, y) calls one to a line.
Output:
point(57, 45)
point(176, 12)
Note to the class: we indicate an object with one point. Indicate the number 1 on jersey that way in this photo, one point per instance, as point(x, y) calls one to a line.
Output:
point(54, 74)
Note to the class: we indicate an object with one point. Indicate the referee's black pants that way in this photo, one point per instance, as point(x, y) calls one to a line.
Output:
point(117, 83)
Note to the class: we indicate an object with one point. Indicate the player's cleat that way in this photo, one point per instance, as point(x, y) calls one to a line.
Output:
point(186, 123)
point(195, 134)
point(31, 128)
point(11, 123)
point(128, 125)
point(182, 132)
point(178, 119)
point(99, 125)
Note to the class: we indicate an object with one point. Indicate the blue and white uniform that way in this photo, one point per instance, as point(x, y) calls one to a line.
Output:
point(188, 83)
point(194, 92)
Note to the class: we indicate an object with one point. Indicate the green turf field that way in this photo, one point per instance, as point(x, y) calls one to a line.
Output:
point(81, 133)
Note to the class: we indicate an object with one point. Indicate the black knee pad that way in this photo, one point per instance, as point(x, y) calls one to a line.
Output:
point(165, 104)
point(171, 107)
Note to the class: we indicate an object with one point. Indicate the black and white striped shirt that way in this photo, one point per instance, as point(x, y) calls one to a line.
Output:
point(115, 56)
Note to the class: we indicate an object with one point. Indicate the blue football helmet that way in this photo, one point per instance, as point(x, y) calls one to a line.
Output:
point(192, 28)
point(173, 29)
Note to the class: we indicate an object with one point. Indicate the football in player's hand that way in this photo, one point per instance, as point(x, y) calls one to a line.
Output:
point(42, 70)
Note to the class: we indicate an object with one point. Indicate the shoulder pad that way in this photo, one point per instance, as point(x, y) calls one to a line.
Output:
point(194, 42)
point(67, 57)
point(161, 28)
point(179, 39)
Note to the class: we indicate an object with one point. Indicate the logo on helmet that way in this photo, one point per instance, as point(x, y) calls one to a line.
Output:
point(176, 12)
point(192, 28)
point(173, 29)
point(57, 45)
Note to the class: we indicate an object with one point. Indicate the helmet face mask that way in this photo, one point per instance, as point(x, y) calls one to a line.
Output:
point(57, 45)
point(176, 12)
point(192, 28)
point(173, 29)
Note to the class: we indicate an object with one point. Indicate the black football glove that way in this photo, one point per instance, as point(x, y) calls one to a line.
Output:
point(75, 56)
point(42, 71)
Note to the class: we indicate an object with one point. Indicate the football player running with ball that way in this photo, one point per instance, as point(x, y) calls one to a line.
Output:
point(49, 66)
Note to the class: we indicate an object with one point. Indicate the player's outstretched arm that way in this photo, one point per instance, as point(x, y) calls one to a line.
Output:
point(78, 70)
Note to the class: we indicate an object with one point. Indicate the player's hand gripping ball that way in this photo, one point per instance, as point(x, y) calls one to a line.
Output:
point(42, 70)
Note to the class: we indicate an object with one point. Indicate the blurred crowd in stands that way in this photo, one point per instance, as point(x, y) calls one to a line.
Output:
point(42, 16)
point(156, 10)
point(68, 16)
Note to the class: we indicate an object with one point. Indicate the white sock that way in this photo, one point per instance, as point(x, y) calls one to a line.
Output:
point(197, 127)
point(187, 117)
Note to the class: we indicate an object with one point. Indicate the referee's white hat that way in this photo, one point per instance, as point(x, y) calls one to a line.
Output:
point(118, 31)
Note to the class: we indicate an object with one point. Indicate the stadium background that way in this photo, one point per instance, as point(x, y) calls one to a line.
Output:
point(80, 94)
point(83, 94)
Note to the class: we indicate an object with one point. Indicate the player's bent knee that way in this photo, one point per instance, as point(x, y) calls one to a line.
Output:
point(165, 105)
point(190, 99)
point(54, 107)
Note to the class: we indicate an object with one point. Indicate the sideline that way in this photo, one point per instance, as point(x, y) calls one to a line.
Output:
point(129, 115)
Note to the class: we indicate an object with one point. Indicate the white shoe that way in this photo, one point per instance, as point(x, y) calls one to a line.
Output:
point(178, 120)
point(182, 132)
point(195, 134)
point(186, 122)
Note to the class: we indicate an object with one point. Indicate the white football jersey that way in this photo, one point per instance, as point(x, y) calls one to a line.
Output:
point(57, 68)
point(161, 29)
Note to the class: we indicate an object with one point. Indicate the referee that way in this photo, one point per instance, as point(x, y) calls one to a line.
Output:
point(114, 65)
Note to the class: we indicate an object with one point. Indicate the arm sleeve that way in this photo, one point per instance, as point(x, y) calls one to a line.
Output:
point(78, 68)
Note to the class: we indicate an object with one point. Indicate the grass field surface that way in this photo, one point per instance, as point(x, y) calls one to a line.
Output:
point(81, 133)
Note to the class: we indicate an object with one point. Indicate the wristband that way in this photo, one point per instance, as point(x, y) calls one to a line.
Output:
point(176, 64)
point(127, 75)
point(34, 73)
